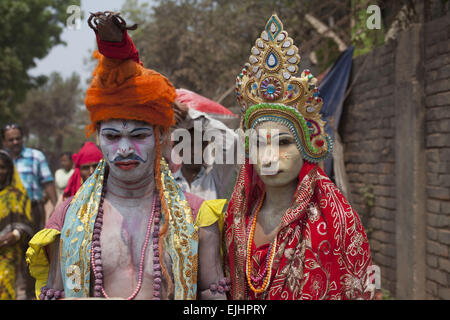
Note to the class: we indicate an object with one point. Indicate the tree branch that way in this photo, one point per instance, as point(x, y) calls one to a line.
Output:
point(323, 29)
point(225, 94)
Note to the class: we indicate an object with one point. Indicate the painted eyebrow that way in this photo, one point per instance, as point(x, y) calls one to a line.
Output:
point(111, 129)
point(283, 134)
point(278, 135)
point(139, 129)
point(132, 131)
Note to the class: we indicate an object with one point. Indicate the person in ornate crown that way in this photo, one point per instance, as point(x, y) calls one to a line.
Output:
point(289, 232)
point(129, 231)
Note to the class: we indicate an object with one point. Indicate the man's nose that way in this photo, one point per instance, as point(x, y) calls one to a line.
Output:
point(125, 148)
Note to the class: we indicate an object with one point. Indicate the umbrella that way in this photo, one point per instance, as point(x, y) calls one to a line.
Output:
point(203, 104)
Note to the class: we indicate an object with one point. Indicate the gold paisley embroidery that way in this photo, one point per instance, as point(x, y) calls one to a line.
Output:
point(181, 238)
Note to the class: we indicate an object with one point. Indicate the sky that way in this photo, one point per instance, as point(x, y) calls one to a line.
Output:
point(69, 58)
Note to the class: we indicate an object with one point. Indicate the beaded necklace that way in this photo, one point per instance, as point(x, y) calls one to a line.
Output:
point(269, 257)
point(96, 259)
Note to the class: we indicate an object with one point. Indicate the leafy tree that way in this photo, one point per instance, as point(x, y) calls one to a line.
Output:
point(364, 39)
point(202, 45)
point(52, 115)
point(29, 29)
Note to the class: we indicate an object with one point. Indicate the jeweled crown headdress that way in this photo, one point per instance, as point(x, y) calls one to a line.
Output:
point(268, 90)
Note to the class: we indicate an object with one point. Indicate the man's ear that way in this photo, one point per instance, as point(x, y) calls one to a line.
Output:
point(97, 138)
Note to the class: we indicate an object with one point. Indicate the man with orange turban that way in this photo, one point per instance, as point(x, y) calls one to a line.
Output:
point(129, 232)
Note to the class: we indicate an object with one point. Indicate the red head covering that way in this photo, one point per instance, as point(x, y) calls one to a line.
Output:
point(89, 153)
point(321, 250)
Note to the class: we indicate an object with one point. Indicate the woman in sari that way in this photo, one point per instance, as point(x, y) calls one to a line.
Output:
point(15, 222)
point(289, 232)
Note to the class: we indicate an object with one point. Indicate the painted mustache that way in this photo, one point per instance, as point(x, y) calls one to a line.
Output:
point(133, 157)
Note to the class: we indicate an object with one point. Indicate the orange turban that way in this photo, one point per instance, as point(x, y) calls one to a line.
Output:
point(124, 89)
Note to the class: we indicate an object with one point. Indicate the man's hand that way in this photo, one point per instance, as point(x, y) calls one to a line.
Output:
point(108, 31)
point(209, 263)
point(8, 240)
point(109, 25)
point(180, 111)
point(106, 26)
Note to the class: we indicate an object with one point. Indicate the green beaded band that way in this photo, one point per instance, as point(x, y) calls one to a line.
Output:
point(307, 151)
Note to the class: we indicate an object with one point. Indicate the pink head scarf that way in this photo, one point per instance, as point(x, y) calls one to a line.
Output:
point(89, 153)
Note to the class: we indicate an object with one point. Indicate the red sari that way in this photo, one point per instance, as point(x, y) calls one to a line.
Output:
point(321, 250)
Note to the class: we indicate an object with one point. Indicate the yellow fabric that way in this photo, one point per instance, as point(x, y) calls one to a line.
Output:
point(36, 256)
point(15, 206)
point(211, 211)
point(9, 258)
point(14, 198)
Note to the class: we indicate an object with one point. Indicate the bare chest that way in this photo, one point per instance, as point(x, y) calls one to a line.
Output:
point(127, 251)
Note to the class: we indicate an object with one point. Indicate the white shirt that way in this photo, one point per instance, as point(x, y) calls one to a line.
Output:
point(61, 179)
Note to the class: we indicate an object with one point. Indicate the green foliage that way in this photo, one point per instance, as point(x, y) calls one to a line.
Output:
point(364, 39)
point(386, 295)
point(368, 196)
point(29, 29)
point(366, 191)
point(327, 54)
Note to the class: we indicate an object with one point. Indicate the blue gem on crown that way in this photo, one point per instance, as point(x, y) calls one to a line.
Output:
point(272, 60)
point(270, 88)
point(273, 28)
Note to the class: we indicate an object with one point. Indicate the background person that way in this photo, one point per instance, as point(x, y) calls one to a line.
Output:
point(63, 174)
point(86, 160)
point(34, 172)
point(206, 180)
point(15, 225)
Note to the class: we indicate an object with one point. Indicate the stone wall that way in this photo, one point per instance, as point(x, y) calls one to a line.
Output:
point(395, 128)
point(437, 128)
point(367, 131)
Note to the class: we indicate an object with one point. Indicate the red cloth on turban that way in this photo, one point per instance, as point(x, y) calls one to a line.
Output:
point(89, 153)
point(119, 50)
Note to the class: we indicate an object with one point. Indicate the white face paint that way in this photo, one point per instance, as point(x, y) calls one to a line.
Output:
point(129, 148)
point(279, 151)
